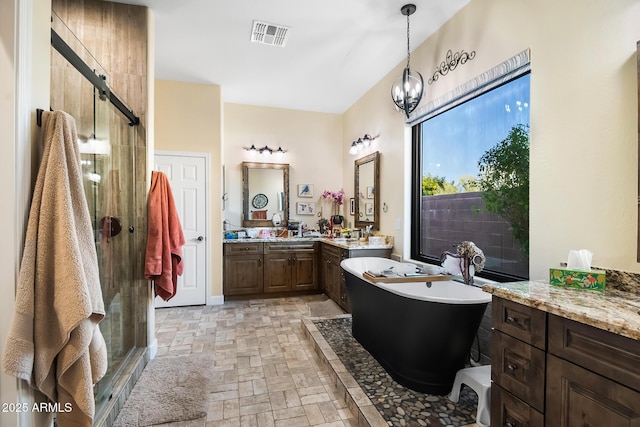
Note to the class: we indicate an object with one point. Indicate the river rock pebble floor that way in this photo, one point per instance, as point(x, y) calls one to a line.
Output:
point(399, 406)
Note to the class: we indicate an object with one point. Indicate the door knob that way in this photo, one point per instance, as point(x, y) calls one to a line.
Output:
point(200, 238)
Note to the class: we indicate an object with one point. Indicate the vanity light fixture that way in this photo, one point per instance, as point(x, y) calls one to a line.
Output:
point(361, 143)
point(353, 150)
point(407, 91)
point(265, 151)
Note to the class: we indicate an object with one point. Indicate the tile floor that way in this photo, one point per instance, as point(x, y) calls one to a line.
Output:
point(267, 371)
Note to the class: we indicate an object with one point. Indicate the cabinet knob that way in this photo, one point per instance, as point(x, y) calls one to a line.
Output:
point(200, 238)
point(511, 368)
point(511, 319)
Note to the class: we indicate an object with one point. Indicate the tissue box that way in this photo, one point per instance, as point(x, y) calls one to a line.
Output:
point(377, 240)
point(593, 280)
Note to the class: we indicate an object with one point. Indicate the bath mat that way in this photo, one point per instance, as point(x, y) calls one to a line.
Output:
point(398, 405)
point(170, 389)
point(324, 308)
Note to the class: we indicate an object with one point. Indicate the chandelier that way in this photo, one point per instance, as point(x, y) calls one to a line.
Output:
point(407, 90)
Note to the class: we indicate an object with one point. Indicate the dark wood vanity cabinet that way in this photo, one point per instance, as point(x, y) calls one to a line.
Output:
point(551, 371)
point(243, 268)
point(290, 267)
point(257, 268)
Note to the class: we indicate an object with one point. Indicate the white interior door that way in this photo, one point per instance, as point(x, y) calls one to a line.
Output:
point(188, 177)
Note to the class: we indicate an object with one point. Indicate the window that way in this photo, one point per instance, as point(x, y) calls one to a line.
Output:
point(470, 179)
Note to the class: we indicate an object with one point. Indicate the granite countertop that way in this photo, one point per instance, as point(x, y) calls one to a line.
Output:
point(341, 243)
point(614, 311)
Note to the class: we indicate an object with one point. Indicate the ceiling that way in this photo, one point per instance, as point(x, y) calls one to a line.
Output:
point(336, 49)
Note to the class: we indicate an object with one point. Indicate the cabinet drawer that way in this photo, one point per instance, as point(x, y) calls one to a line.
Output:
point(525, 323)
point(608, 354)
point(518, 368)
point(289, 247)
point(249, 248)
point(509, 411)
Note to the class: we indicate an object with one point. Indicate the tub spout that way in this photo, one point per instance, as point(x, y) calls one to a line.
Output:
point(468, 255)
point(462, 266)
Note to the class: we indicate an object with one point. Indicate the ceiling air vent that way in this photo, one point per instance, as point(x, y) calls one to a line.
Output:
point(274, 35)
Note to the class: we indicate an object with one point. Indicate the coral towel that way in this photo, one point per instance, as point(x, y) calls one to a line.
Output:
point(55, 342)
point(163, 261)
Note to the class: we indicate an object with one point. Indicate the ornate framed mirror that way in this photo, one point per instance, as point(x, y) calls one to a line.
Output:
point(367, 191)
point(265, 188)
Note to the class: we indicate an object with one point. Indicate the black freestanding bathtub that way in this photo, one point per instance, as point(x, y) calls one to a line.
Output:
point(420, 335)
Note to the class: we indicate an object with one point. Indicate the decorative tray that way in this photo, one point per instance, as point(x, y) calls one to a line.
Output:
point(397, 278)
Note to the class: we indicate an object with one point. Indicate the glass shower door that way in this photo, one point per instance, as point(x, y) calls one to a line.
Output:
point(107, 151)
point(109, 175)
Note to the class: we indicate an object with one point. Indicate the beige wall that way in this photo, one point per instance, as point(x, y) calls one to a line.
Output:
point(584, 141)
point(24, 49)
point(188, 119)
point(313, 142)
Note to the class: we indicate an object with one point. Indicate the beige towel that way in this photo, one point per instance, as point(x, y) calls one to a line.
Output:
point(55, 343)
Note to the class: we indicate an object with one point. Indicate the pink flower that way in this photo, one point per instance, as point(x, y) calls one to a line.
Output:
point(338, 196)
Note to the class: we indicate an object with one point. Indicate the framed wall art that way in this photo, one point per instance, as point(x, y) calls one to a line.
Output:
point(305, 190)
point(305, 208)
point(370, 192)
point(368, 209)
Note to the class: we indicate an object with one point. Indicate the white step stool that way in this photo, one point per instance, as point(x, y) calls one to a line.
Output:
point(479, 379)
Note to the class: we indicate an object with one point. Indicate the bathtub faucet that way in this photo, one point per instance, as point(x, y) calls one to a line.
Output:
point(470, 259)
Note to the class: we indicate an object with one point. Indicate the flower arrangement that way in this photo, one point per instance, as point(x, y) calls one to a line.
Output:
point(337, 198)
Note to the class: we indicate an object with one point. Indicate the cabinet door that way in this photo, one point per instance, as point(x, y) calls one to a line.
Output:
point(331, 277)
point(304, 272)
point(324, 272)
point(578, 397)
point(242, 274)
point(509, 411)
point(277, 270)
